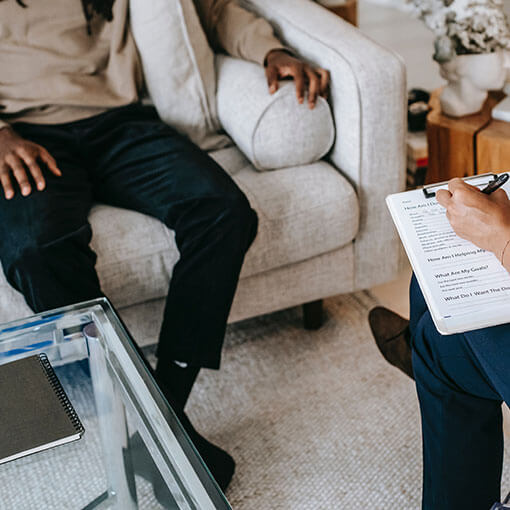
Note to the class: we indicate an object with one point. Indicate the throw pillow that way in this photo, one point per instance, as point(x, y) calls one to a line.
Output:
point(273, 131)
point(178, 66)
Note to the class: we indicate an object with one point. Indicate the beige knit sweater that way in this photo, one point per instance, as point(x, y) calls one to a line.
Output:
point(52, 71)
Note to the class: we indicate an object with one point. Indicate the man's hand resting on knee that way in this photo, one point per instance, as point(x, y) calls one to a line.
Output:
point(20, 158)
point(482, 219)
point(280, 64)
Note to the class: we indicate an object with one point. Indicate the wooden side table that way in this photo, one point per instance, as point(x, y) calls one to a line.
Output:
point(469, 145)
point(493, 147)
point(348, 11)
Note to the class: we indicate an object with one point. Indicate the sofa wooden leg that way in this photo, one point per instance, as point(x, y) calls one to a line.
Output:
point(313, 315)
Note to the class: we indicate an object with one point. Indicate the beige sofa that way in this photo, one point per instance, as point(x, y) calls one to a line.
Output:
point(324, 229)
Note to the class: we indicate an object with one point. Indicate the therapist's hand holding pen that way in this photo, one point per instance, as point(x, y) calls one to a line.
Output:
point(480, 217)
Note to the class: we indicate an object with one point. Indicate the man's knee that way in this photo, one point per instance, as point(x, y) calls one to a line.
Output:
point(230, 212)
point(27, 258)
point(51, 276)
point(238, 210)
point(21, 262)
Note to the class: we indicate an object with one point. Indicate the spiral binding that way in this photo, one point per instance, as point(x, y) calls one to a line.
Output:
point(60, 393)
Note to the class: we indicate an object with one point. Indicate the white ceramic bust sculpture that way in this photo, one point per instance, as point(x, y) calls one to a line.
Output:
point(472, 48)
point(470, 78)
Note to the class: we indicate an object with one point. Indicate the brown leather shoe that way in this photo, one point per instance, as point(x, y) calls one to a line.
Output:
point(392, 336)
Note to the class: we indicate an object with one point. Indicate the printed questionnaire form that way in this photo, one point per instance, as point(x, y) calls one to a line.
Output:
point(465, 287)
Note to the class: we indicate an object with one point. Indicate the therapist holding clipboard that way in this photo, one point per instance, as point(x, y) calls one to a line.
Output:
point(462, 379)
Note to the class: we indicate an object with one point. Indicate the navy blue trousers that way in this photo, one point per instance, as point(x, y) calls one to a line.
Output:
point(127, 157)
point(462, 381)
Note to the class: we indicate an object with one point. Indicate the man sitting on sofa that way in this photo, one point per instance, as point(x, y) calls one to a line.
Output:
point(72, 132)
point(461, 379)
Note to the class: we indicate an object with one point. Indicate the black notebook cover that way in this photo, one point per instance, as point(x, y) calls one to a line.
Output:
point(35, 413)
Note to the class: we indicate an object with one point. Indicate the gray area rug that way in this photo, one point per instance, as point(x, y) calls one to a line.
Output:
point(315, 420)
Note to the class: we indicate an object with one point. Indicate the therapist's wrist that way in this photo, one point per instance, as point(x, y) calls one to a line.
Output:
point(498, 222)
point(505, 256)
point(501, 247)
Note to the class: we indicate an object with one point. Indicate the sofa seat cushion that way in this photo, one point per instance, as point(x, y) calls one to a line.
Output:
point(135, 254)
point(303, 212)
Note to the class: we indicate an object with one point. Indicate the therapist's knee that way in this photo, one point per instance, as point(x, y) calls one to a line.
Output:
point(424, 345)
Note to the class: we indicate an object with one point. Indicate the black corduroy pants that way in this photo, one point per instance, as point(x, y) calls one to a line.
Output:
point(127, 157)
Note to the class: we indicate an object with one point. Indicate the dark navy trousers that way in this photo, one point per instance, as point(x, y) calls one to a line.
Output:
point(462, 381)
point(127, 157)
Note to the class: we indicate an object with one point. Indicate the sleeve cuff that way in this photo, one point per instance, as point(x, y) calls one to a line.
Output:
point(263, 46)
point(279, 48)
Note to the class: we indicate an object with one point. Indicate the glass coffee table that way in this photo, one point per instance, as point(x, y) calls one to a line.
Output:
point(134, 452)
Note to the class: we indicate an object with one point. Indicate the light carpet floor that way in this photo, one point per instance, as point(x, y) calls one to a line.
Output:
point(315, 420)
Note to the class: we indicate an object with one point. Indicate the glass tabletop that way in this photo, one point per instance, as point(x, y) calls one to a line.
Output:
point(134, 452)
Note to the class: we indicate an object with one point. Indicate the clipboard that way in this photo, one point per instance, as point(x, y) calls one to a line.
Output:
point(465, 287)
point(430, 191)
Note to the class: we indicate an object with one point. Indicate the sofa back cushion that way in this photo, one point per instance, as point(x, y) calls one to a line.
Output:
point(178, 66)
point(273, 131)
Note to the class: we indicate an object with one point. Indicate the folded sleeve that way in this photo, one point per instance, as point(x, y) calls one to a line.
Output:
point(237, 31)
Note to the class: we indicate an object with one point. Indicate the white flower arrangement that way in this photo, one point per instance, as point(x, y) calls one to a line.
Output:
point(464, 26)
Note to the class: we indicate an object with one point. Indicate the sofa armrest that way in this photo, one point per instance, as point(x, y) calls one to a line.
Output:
point(368, 97)
point(272, 130)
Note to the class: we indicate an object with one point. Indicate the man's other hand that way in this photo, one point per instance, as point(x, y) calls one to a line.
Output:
point(19, 156)
point(482, 219)
point(280, 65)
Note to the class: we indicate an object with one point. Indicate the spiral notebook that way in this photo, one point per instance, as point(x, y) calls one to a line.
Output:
point(465, 287)
point(35, 413)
